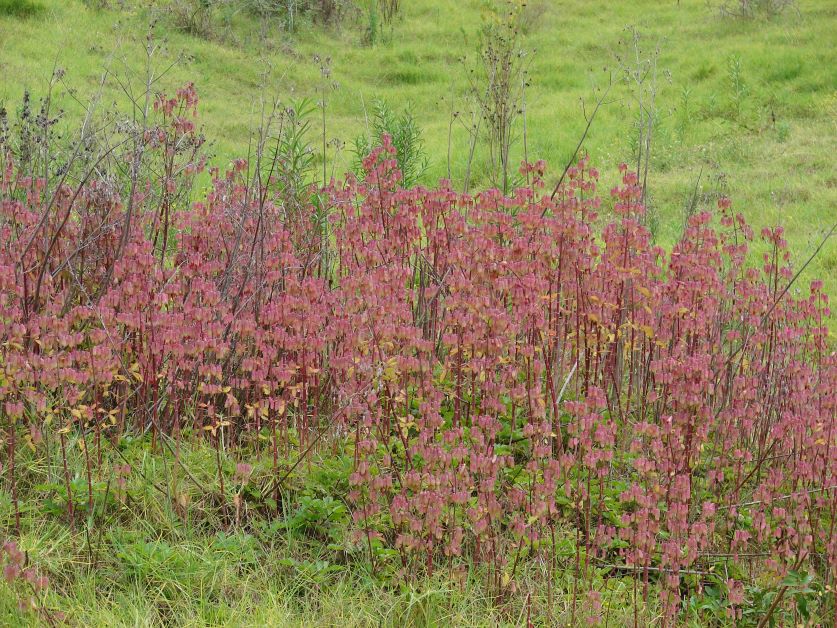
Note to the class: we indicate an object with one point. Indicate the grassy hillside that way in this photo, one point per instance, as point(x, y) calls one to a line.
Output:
point(750, 104)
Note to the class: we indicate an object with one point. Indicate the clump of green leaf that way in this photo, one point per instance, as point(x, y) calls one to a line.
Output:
point(20, 8)
point(406, 138)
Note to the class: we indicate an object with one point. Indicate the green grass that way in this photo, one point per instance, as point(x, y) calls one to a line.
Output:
point(773, 152)
point(165, 549)
point(140, 562)
point(20, 8)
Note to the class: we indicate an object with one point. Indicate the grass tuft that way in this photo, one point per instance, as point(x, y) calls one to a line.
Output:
point(20, 8)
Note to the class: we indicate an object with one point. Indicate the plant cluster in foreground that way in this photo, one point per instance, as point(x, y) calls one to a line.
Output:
point(504, 369)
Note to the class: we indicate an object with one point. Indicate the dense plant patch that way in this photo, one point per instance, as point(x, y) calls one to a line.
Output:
point(20, 8)
point(517, 379)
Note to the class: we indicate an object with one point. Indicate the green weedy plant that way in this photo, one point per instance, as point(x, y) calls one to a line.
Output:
point(269, 13)
point(751, 9)
point(641, 75)
point(782, 131)
point(497, 80)
point(328, 12)
point(100, 5)
point(30, 133)
point(684, 114)
point(373, 27)
point(320, 517)
point(193, 16)
point(788, 604)
point(405, 135)
point(389, 10)
point(20, 8)
point(739, 87)
point(380, 16)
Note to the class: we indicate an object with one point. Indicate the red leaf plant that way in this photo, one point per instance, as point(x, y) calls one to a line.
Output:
point(501, 366)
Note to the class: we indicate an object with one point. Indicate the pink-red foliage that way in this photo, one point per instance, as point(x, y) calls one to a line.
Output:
point(501, 366)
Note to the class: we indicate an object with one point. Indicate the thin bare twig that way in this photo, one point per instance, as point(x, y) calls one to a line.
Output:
point(572, 159)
